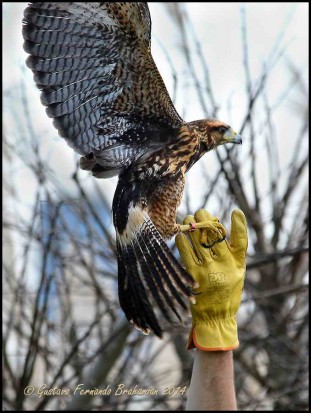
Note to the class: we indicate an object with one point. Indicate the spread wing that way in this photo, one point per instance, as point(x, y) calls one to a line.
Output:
point(99, 82)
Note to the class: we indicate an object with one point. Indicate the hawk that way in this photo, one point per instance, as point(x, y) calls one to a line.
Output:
point(100, 84)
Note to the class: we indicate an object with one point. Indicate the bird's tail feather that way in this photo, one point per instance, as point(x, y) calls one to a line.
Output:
point(149, 274)
point(156, 283)
point(179, 275)
point(166, 270)
point(132, 293)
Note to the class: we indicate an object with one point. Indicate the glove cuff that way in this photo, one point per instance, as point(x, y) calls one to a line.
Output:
point(214, 335)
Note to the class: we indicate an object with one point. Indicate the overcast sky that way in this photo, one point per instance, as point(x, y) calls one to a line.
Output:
point(218, 26)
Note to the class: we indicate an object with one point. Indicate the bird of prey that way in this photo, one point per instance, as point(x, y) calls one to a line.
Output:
point(93, 64)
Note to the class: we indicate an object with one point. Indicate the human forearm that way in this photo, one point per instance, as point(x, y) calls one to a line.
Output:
point(212, 383)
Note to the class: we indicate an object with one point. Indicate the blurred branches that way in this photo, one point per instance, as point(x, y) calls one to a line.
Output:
point(62, 322)
point(276, 283)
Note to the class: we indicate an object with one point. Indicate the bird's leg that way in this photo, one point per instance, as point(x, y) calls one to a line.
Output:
point(212, 227)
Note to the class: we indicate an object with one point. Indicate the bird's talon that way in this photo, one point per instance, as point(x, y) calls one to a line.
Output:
point(211, 245)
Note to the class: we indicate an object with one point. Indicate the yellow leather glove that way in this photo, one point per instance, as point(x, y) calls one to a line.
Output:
point(219, 272)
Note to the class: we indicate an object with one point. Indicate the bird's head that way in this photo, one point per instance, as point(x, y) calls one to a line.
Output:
point(212, 133)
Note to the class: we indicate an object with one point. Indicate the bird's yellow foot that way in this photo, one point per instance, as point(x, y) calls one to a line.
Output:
point(212, 231)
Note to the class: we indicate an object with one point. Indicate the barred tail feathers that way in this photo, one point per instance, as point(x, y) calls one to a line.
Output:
point(130, 290)
point(149, 274)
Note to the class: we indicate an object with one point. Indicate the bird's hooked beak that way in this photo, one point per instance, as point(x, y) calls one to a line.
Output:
point(232, 137)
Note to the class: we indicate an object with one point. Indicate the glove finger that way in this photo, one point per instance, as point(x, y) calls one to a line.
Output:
point(238, 236)
point(186, 251)
point(203, 215)
point(195, 238)
point(219, 248)
point(188, 219)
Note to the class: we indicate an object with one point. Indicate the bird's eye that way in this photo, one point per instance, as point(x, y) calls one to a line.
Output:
point(222, 129)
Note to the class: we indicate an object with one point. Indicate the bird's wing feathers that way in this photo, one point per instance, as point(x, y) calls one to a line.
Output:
point(99, 82)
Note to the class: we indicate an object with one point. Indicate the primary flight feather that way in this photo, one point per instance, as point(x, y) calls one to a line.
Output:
point(93, 64)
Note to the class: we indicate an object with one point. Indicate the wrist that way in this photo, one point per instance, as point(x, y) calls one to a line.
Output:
point(214, 335)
